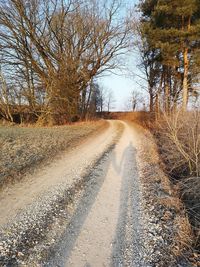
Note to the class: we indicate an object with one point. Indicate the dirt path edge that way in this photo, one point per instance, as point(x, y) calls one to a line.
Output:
point(167, 229)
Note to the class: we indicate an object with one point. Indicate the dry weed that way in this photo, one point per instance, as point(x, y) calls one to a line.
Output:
point(178, 138)
point(184, 236)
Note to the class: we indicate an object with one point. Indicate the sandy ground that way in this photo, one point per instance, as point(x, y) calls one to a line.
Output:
point(105, 228)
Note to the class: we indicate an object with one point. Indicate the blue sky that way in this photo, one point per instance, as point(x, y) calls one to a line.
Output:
point(121, 87)
point(123, 84)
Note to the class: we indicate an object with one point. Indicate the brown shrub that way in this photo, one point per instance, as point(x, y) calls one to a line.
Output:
point(178, 137)
point(143, 118)
point(184, 236)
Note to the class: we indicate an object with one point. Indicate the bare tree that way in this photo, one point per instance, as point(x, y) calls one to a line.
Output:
point(6, 99)
point(110, 100)
point(62, 43)
point(135, 101)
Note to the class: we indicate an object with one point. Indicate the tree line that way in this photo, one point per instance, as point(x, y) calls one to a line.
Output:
point(51, 53)
point(169, 45)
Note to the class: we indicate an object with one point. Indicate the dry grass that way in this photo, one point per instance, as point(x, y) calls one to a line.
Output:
point(25, 147)
point(178, 139)
point(180, 134)
point(181, 193)
point(184, 235)
point(172, 202)
point(168, 207)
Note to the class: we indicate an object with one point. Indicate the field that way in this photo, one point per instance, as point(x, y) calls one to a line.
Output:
point(25, 147)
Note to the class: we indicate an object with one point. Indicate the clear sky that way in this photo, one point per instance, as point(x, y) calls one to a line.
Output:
point(121, 87)
point(123, 84)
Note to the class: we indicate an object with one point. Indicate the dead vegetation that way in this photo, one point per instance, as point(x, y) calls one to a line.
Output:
point(25, 147)
point(171, 245)
point(141, 117)
point(178, 143)
point(178, 137)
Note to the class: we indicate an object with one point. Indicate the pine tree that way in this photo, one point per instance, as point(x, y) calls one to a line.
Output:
point(172, 26)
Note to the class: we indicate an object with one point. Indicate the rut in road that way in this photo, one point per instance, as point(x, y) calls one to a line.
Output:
point(106, 229)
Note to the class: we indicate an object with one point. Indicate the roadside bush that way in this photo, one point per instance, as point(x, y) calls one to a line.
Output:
point(143, 118)
point(178, 137)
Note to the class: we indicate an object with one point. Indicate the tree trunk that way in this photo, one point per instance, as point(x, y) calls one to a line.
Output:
point(167, 106)
point(185, 79)
point(83, 104)
point(108, 110)
point(151, 99)
point(186, 69)
point(86, 111)
point(151, 105)
point(167, 91)
point(158, 107)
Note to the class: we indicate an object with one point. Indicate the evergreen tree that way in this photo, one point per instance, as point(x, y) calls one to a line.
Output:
point(172, 27)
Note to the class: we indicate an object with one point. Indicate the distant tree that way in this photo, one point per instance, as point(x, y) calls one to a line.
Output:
point(110, 100)
point(6, 100)
point(95, 99)
point(134, 101)
point(101, 98)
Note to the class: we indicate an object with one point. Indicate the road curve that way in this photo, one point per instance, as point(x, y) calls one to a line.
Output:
point(102, 226)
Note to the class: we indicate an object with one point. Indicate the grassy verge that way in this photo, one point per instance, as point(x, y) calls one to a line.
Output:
point(25, 147)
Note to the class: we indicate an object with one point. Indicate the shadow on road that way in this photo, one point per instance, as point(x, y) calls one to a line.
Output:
point(60, 253)
point(118, 166)
point(126, 245)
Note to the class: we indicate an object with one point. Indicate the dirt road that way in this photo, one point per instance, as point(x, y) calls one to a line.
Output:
point(100, 224)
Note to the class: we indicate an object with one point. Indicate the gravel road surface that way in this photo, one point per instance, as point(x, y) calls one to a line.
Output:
point(82, 210)
point(106, 228)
